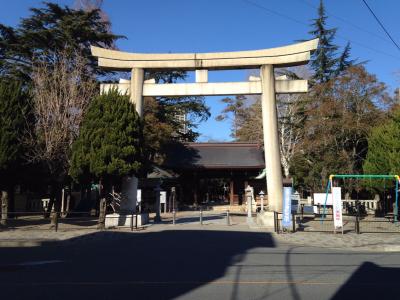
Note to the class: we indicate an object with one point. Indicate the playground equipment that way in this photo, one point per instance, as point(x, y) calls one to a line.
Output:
point(364, 176)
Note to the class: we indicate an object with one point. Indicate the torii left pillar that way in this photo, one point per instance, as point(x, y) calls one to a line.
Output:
point(130, 184)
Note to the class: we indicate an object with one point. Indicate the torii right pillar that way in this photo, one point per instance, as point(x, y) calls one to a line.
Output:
point(271, 139)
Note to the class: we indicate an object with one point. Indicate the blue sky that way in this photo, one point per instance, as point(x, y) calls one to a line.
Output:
point(232, 25)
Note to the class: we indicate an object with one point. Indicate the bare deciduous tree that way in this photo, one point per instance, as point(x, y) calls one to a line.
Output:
point(61, 94)
point(290, 130)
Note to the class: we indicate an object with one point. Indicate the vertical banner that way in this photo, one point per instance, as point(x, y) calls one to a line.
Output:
point(287, 207)
point(337, 207)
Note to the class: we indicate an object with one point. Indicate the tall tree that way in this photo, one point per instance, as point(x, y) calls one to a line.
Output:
point(90, 5)
point(249, 125)
point(323, 60)
point(384, 148)
point(109, 145)
point(235, 111)
point(13, 113)
point(247, 119)
point(340, 116)
point(291, 121)
point(61, 94)
point(49, 31)
point(344, 60)
point(170, 119)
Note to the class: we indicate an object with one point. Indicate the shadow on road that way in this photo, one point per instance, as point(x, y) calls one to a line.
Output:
point(370, 281)
point(147, 265)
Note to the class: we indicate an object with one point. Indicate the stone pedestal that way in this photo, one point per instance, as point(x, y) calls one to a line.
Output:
point(266, 219)
point(120, 220)
point(129, 195)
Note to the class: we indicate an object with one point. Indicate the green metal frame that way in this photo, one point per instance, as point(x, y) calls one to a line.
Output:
point(364, 176)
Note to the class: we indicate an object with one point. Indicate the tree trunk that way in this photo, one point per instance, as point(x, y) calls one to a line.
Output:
point(51, 201)
point(102, 214)
point(4, 207)
point(102, 207)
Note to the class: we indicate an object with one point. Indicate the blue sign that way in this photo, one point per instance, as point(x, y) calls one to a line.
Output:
point(287, 207)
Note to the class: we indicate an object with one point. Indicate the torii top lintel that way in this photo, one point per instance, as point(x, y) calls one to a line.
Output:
point(286, 56)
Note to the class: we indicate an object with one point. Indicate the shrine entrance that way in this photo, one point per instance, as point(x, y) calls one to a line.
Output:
point(216, 174)
point(266, 85)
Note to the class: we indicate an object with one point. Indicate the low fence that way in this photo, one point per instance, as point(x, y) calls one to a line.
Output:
point(201, 217)
point(324, 223)
point(84, 221)
point(56, 222)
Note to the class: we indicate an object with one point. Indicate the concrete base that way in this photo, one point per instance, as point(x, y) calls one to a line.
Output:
point(120, 220)
point(266, 219)
point(250, 221)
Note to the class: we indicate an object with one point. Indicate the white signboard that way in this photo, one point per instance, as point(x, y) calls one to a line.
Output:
point(337, 207)
point(139, 196)
point(319, 198)
point(163, 197)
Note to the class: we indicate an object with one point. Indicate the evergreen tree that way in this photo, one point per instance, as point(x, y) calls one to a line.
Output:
point(162, 122)
point(323, 60)
point(48, 31)
point(13, 111)
point(237, 111)
point(344, 60)
point(109, 143)
point(384, 148)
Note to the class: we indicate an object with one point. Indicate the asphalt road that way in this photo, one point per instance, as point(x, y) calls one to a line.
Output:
point(194, 264)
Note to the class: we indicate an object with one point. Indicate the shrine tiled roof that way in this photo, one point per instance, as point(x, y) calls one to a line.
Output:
point(215, 156)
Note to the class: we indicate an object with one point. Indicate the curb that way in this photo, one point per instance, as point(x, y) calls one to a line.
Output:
point(366, 247)
point(24, 243)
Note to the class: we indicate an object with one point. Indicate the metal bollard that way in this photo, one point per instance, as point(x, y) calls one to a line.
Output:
point(357, 224)
point(228, 221)
point(293, 222)
point(136, 221)
point(173, 217)
point(201, 216)
point(131, 222)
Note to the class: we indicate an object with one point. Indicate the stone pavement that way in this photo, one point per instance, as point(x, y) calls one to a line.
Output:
point(37, 236)
point(33, 238)
point(379, 242)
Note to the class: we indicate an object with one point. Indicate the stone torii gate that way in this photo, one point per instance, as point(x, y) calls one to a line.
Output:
point(267, 86)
